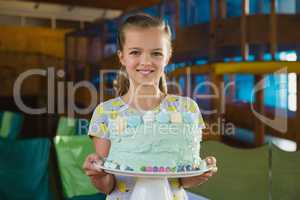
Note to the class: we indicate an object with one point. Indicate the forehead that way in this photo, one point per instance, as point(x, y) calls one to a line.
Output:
point(146, 38)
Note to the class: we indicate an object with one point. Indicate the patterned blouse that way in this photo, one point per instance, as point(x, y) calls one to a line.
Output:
point(115, 107)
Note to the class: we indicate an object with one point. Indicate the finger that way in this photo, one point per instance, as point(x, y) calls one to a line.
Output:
point(207, 174)
point(90, 158)
point(202, 179)
point(94, 173)
point(88, 166)
point(215, 169)
point(90, 173)
point(93, 157)
point(210, 160)
point(91, 163)
point(214, 160)
point(198, 178)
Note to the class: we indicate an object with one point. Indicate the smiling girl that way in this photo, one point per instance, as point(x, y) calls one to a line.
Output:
point(144, 51)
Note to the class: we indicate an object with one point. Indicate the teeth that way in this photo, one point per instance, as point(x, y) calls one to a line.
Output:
point(144, 72)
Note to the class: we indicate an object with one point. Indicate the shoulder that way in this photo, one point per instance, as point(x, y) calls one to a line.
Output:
point(111, 105)
point(182, 103)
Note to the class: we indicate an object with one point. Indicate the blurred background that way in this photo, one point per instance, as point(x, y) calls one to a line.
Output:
point(239, 59)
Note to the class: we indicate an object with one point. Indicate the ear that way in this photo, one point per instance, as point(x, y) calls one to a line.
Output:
point(121, 57)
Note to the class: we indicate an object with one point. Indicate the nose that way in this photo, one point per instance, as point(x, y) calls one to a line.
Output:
point(145, 59)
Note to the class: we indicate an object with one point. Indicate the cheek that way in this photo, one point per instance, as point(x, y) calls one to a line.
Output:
point(130, 63)
point(131, 67)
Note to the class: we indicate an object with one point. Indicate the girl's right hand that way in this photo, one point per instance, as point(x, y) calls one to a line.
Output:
point(90, 168)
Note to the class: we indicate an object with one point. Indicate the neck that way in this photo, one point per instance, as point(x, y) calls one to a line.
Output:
point(144, 97)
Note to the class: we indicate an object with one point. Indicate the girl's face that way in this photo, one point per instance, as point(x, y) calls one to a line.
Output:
point(145, 54)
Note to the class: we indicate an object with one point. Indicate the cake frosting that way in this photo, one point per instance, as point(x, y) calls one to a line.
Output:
point(163, 141)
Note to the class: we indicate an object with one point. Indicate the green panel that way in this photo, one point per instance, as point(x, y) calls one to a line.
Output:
point(242, 173)
point(24, 169)
point(11, 125)
point(71, 153)
point(66, 126)
point(285, 175)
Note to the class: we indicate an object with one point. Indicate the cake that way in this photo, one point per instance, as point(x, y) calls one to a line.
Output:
point(160, 141)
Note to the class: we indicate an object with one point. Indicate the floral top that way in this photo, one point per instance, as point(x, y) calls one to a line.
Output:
point(111, 109)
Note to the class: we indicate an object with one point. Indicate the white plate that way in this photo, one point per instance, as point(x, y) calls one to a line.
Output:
point(156, 174)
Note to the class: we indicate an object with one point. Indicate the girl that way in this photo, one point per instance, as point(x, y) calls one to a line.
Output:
point(144, 51)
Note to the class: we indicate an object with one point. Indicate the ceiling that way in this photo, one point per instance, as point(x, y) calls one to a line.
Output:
point(35, 12)
point(103, 4)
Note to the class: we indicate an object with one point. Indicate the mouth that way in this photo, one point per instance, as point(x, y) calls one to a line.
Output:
point(145, 71)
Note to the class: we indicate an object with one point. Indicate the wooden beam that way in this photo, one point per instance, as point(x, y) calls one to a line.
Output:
point(112, 4)
point(216, 105)
point(222, 9)
point(177, 16)
point(273, 29)
point(243, 26)
point(259, 126)
point(212, 30)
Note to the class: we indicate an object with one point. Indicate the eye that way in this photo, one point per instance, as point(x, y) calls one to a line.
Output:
point(157, 53)
point(134, 53)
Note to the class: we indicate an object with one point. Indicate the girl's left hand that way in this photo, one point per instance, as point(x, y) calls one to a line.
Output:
point(197, 180)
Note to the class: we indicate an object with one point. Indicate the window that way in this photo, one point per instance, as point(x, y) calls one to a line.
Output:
point(292, 91)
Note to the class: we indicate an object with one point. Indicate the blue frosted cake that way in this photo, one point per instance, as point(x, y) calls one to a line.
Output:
point(160, 141)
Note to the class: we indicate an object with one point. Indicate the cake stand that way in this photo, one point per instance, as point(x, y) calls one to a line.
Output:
point(151, 185)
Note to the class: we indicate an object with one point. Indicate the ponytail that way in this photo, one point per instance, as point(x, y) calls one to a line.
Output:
point(122, 86)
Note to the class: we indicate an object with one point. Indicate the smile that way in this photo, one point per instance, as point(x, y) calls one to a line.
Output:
point(145, 71)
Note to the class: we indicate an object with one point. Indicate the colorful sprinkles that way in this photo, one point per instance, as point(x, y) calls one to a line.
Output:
point(159, 169)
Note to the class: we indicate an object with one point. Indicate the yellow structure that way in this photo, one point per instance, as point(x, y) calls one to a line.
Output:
point(33, 40)
point(257, 67)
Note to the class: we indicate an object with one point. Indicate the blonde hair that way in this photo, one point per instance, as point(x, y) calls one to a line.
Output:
point(140, 20)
